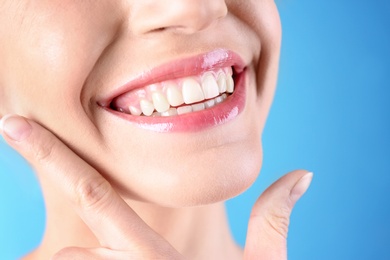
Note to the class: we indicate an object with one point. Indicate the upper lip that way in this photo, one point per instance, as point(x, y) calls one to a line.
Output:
point(219, 58)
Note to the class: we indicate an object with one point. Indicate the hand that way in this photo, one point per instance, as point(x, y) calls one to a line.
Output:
point(122, 234)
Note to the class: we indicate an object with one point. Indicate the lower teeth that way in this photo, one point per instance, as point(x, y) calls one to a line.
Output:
point(190, 108)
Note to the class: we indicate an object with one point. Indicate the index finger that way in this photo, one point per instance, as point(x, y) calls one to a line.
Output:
point(113, 222)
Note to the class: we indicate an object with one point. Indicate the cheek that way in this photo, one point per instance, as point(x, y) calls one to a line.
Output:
point(41, 77)
point(48, 52)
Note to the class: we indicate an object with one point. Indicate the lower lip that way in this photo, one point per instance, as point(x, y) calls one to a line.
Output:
point(194, 121)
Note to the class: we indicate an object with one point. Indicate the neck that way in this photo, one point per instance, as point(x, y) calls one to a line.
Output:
point(196, 232)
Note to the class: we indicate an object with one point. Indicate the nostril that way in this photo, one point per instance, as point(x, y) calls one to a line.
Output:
point(182, 16)
point(161, 29)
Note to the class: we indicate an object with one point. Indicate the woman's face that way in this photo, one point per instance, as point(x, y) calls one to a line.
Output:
point(93, 71)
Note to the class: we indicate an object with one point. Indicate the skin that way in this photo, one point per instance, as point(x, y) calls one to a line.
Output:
point(58, 57)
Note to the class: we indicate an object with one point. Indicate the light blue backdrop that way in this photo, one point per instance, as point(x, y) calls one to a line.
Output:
point(331, 115)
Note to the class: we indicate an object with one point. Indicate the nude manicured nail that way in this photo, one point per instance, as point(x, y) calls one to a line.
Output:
point(15, 127)
point(301, 186)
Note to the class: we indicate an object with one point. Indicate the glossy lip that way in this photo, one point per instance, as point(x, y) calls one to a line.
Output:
point(195, 121)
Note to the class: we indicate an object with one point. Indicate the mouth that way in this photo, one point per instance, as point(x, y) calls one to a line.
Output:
point(186, 95)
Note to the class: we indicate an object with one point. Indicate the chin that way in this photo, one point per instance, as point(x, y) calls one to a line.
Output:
point(207, 178)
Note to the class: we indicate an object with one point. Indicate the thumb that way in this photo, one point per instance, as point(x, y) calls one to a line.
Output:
point(270, 217)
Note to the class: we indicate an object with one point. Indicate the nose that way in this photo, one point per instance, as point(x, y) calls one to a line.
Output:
point(186, 16)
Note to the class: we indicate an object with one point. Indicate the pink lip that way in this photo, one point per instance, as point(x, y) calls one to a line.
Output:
point(194, 121)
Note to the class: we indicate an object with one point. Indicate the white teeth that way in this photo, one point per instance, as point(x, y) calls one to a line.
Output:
point(184, 110)
point(192, 91)
point(160, 102)
point(198, 107)
point(229, 84)
point(175, 98)
point(209, 86)
point(209, 103)
point(219, 99)
point(170, 112)
point(221, 83)
point(146, 107)
point(135, 111)
point(179, 96)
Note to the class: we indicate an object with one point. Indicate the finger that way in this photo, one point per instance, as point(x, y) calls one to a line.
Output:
point(269, 220)
point(76, 253)
point(113, 222)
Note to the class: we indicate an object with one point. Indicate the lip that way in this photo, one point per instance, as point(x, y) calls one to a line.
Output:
point(195, 121)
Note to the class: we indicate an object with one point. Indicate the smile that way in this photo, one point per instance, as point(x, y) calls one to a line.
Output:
point(179, 96)
point(186, 95)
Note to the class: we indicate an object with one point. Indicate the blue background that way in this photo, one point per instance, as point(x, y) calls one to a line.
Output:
point(331, 116)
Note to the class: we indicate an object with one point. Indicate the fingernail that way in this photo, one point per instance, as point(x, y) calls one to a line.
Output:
point(15, 127)
point(301, 187)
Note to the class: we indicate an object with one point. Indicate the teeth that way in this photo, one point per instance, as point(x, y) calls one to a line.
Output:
point(221, 83)
point(209, 86)
point(135, 111)
point(175, 98)
point(209, 103)
point(192, 91)
point(179, 96)
point(146, 107)
point(160, 102)
point(198, 107)
point(220, 99)
point(184, 110)
point(229, 84)
point(170, 112)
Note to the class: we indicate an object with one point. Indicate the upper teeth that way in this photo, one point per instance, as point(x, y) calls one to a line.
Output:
point(166, 98)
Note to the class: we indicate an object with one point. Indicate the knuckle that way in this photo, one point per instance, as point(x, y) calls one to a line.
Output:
point(43, 150)
point(92, 193)
point(70, 253)
point(166, 252)
point(159, 250)
point(161, 254)
point(63, 254)
point(278, 220)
